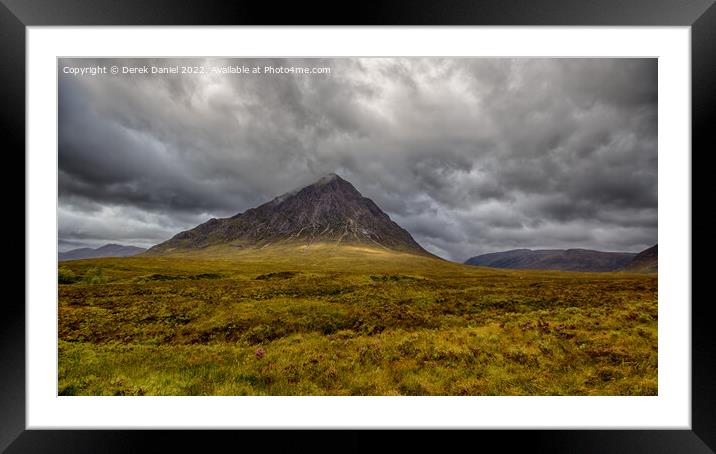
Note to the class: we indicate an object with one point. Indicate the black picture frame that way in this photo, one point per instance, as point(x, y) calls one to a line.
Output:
point(16, 15)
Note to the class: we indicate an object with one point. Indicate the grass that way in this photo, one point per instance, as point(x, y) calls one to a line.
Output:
point(378, 324)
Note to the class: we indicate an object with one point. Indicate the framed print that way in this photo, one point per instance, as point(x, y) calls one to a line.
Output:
point(412, 218)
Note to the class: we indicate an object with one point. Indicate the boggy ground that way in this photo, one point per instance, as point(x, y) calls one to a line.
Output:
point(362, 323)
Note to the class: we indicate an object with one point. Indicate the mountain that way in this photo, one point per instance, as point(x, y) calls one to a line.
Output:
point(329, 211)
point(108, 250)
point(555, 259)
point(647, 261)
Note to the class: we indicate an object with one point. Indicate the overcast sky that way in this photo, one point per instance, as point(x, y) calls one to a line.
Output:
point(469, 155)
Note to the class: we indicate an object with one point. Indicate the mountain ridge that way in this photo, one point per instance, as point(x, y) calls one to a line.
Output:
point(107, 250)
point(647, 261)
point(575, 259)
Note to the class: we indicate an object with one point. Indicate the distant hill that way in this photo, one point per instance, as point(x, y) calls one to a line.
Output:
point(647, 261)
point(108, 250)
point(330, 212)
point(555, 259)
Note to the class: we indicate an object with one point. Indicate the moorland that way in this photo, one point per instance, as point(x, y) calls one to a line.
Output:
point(365, 321)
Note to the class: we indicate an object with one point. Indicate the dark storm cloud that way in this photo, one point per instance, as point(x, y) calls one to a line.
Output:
point(470, 155)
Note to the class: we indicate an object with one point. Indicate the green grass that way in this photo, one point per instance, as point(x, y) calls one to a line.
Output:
point(366, 323)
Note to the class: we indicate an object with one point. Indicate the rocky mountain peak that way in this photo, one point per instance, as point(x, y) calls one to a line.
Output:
point(330, 210)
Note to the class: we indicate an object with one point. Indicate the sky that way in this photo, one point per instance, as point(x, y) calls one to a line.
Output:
point(470, 155)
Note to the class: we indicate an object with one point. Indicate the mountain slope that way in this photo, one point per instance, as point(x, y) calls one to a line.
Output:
point(647, 261)
point(554, 259)
point(329, 211)
point(108, 250)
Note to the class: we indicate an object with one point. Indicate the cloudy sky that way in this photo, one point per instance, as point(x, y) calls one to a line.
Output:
point(469, 155)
